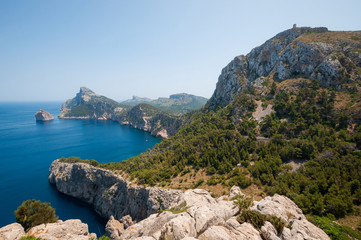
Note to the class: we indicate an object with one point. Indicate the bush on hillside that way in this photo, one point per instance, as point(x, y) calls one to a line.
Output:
point(33, 212)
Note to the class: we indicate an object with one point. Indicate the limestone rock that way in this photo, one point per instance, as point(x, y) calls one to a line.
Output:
point(244, 230)
point(198, 197)
point(179, 227)
point(68, 230)
point(43, 115)
point(12, 231)
point(235, 190)
point(127, 221)
point(218, 233)
point(288, 56)
point(303, 229)
point(279, 206)
point(269, 232)
point(114, 228)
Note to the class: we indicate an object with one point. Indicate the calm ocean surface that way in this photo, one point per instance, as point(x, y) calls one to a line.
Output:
point(27, 148)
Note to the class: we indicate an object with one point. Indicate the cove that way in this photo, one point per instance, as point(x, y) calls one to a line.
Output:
point(28, 147)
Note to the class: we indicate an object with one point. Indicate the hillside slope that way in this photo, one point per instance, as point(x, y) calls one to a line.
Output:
point(307, 144)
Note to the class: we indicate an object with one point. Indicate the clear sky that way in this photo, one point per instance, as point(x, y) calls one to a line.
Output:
point(147, 48)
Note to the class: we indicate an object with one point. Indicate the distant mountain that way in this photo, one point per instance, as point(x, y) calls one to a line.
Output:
point(176, 104)
point(89, 105)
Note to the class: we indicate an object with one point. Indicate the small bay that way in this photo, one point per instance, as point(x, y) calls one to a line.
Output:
point(28, 147)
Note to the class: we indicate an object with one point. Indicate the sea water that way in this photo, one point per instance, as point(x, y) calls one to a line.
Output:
point(28, 147)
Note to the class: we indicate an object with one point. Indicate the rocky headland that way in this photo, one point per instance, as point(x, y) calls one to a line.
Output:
point(43, 115)
point(138, 212)
point(89, 105)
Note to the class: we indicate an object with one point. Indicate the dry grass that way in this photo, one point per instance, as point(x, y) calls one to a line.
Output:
point(351, 221)
point(331, 37)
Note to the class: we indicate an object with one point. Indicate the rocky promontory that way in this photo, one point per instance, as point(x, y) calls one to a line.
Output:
point(89, 105)
point(43, 115)
point(138, 212)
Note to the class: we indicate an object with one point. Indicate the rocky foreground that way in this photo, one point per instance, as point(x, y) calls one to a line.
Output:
point(137, 212)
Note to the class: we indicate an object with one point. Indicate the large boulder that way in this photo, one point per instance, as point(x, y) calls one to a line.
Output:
point(12, 232)
point(72, 229)
point(43, 115)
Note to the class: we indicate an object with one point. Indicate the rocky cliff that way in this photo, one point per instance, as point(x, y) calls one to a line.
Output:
point(89, 105)
point(172, 214)
point(43, 115)
point(331, 58)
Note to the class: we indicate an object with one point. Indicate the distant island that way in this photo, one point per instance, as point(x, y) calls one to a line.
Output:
point(139, 112)
point(43, 115)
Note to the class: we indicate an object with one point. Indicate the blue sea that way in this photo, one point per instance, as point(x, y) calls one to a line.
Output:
point(28, 147)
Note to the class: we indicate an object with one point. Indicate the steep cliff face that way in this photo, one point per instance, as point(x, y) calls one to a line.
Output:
point(193, 213)
point(108, 193)
point(89, 105)
point(332, 58)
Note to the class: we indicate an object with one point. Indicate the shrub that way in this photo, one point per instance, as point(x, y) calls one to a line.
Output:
point(33, 212)
point(30, 238)
point(253, 217)
point(277, 223)
point(242, 202)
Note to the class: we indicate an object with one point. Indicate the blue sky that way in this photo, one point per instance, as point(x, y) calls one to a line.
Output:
point(153, 48)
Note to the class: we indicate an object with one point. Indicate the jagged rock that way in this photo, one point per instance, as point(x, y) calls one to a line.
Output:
point(279, 206)
point(127, 221)
point(218, 233)
point(43, 115)
point(204, 218)
point(12, 231)
point(114, 228)
point(244, 230)
point(303, 229)
point(269, 232)
point(235, 190)
point(150, 226)
point(179, 227)
point(290, 54)
point(69, 230)
point(198, 197)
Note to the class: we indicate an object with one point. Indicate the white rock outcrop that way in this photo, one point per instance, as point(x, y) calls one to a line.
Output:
point(12, 231)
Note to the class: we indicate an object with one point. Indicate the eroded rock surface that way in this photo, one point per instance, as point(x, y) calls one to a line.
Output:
point(12, 231)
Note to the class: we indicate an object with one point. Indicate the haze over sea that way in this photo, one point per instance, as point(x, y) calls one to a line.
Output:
point(28, 147)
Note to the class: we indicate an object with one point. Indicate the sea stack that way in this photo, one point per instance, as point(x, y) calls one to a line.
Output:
point(43, 115)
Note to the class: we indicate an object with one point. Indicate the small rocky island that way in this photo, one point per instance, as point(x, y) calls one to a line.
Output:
point(43, 115)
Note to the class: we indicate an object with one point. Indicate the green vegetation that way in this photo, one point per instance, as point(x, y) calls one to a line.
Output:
point(30, 238)
point(33, 212)
point(177, 209)
point(258, 219)
point(334, 230)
